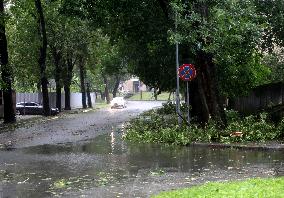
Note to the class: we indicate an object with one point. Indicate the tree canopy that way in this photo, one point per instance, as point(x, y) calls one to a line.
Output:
point(234, 44)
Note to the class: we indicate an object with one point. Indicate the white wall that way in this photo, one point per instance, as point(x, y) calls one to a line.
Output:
point(75, 99)
point(28, 97)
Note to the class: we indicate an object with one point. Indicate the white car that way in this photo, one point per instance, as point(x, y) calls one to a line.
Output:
point(118, 102)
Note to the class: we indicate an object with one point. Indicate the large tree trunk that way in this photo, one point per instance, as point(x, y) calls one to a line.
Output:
point(82, 82)
point(42, 58)
point(6, 73)
point(58, 96)
point(106, 89)
point(67, 80)
point(116, 85)
point(204, 97)
point(102, 95)
point(67, 97)
point(155, 94)
point(218, 112)
point(198, 99)
point(58, 70)
point(216, 109)
point(89, 96)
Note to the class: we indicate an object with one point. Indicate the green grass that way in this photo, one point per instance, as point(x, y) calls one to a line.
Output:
point(148, 96)
point(252, 188)
point(101, 105)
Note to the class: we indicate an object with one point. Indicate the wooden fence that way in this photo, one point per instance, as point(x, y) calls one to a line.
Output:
point(260, 98)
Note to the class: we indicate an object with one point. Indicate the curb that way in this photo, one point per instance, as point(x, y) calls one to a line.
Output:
point(260, 147)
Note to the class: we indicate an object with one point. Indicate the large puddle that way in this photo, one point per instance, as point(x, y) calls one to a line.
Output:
point(109, 167)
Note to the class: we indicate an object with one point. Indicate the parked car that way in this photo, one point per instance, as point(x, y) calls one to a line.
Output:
point(33, 108)
point(118, 102)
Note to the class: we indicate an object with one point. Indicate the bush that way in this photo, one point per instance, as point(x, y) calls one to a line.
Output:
point(161, 126)
point(253, 128)
point(232, 116)
point(280, 130)
point(170, 108)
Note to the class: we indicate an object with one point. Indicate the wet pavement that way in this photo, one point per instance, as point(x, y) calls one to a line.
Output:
point(83, 155)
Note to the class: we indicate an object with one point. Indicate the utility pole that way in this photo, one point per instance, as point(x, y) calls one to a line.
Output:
point(177, 76)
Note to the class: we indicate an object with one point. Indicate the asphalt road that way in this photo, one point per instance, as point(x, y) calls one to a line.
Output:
point(82, 155)
point(71, 127)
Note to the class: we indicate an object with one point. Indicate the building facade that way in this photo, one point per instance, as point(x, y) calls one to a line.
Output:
point(132, 85)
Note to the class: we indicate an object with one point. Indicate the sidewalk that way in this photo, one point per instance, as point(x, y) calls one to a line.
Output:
point(26, 120)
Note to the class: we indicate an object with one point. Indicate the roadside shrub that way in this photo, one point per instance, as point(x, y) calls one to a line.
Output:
point(253, 128)
point(280, 130)
point(232, 116)
point(174, 135)
point(161, 126)
point(168, 108)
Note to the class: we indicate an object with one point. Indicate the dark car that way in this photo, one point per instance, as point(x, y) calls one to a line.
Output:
point(33, 108)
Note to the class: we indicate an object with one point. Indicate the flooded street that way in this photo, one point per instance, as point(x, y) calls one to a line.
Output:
point(87, 158)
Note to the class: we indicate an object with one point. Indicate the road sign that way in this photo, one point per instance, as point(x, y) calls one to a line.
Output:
point(187, 72)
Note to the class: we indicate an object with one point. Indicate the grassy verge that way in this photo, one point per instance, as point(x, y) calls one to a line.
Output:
point(252, 188)
point(149, 96)
point(101, 105)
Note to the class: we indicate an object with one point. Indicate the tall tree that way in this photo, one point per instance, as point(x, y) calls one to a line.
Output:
point(89, 98)
point(22, 32)
point(271, 13)
point(6, 71)
point(42, 57)
point(57, 57)
point(223, 37)
point(220, 37)
point(82, 71)
point(106, 91)
point(69, 65)
point(56, 35)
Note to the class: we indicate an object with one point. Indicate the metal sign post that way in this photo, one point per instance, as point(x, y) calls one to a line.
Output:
point(187, 102)
point(177, 69)
point(187, 73)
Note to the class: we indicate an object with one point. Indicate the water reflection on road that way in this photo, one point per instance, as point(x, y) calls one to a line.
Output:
point(110, 167)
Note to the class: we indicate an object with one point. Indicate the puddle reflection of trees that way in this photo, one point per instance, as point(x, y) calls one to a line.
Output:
point(195, 159)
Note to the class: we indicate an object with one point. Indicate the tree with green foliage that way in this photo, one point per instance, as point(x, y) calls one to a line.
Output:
point(110, 38)
point(271, 12)
point(106, 59)
point(66, 37)
point(6, 71)
point(223, 37)
point(76, 52)
point(28, 47)
point(22, 32)
point(275, 61)
point(42, 57)
point(272, 44)
point(56, 35)
point(220, 37)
